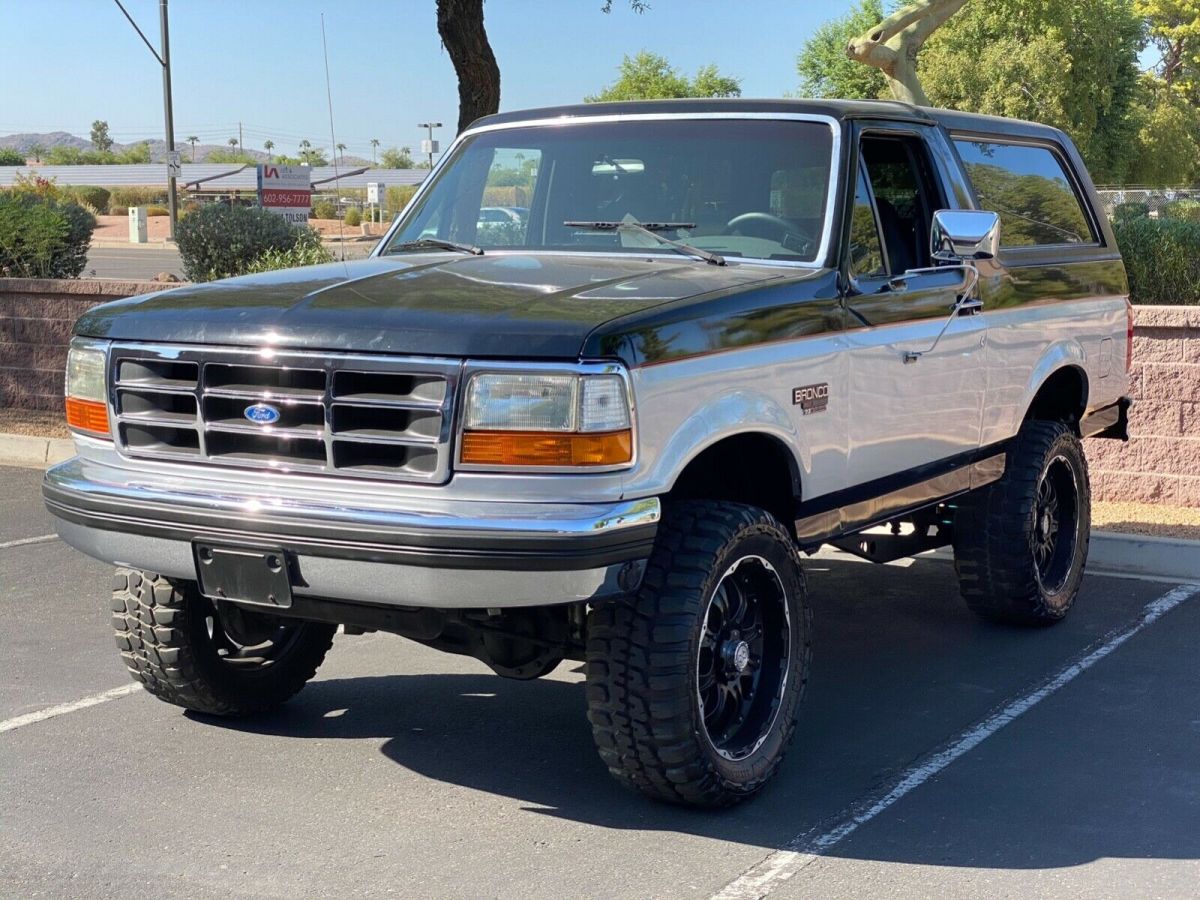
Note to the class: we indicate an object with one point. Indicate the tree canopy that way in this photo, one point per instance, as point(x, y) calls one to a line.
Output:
point(648, 76)
point(824, 68)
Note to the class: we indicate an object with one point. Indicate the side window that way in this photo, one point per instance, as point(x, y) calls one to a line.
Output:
point(866, 249)
point(906, 195)
point(1029, 188)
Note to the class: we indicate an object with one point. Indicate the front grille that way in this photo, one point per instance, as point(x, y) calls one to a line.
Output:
point(366, 416)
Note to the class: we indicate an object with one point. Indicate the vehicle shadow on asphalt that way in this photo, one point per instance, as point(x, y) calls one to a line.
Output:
point(900, 667)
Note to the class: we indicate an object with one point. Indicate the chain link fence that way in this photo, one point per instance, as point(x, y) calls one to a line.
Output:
point(1166, 203)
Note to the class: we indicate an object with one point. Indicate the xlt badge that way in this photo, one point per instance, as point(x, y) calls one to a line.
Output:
point(812, 398)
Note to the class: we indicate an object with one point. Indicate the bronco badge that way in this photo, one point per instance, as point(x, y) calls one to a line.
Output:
point(812, 398)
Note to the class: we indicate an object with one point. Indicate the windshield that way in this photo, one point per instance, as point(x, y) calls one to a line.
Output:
point(754, 189)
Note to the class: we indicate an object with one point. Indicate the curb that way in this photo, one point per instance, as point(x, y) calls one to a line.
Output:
point(34, 452)
point(1111, 553)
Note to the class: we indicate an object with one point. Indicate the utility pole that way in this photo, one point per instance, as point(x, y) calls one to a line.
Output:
point(429, 146)
point(241, 143)
point(164, 60)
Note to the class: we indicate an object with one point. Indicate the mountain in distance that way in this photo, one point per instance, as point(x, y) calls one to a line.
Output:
point(23, 143)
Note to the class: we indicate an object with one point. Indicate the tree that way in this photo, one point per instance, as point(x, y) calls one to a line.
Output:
point(341, 149)
point(100, 139)
point(305, 146)
point(648, 76)
point(10, 156)
point(460, 26)
point(1167, 148)
point(826, 70)
point(1072, 65)
point(1173, 27)
point(268, 145)
point(374, 147)
point(37, 151)
point(232, 142)
point(892, 45)
point(391, 158)
point(192, 139)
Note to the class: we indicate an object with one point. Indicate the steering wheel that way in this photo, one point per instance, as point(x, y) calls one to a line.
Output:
point(772, 228)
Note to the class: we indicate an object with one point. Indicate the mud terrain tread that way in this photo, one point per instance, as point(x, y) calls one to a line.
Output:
point(639, 669)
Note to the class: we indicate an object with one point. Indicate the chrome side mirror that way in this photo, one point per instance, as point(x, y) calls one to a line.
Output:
point(959, 235)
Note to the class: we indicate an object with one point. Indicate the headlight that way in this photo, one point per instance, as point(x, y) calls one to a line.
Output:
point(535, 419)
point(87, 409)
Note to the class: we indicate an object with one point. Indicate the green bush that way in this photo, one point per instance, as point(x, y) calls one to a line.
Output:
point(1162, 257)
point(307, 251)
point(398, 195)
point(10, 156)
point(43, 237)
point(324, 209)
point(1183, 210)
point(217, 241)
point(1123, 212)
point(137, 196)
point(95, 197)
point(353, 217)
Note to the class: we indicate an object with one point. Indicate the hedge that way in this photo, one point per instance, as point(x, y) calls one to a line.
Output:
point(218, 241)
point(42, 236)
point(1162, 258)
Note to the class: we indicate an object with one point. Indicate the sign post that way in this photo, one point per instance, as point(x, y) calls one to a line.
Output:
point(286, 190)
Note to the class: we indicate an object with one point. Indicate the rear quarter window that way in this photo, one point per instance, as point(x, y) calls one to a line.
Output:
point(1031, 190)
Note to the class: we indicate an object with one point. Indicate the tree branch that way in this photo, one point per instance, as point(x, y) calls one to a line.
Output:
point(893, 44)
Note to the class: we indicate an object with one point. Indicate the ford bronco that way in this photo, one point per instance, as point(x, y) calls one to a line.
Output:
point(706, 337)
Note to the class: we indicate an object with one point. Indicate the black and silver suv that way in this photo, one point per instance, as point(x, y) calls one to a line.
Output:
point(706, 338)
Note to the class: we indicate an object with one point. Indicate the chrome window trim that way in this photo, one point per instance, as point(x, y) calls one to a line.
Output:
point(831, 199)
point(484, 367)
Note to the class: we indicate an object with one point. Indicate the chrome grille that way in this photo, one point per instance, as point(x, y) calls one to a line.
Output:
point(367, 416)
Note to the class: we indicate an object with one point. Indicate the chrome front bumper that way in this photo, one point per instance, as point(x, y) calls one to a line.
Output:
point(464, 554)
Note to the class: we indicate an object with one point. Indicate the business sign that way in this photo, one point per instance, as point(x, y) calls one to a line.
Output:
point(286, 190)
point(375, 192)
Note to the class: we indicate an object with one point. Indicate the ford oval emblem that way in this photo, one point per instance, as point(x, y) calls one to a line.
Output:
point(262, 413)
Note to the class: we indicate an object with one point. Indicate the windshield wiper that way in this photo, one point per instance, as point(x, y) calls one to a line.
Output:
point(435, 243)
point(652, 229)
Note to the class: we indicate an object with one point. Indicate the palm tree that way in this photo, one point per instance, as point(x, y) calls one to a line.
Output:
point(304, 148)
point(192, 140)
point(341, 148)
point(374, 145)
point(232, 143)
point(36, 152)
point(268, 146)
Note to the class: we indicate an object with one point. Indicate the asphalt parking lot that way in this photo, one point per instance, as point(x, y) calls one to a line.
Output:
point(937, 756)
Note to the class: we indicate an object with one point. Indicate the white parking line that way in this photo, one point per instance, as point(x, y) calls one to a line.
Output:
point(40, 539)
point(759, 880)
point(63, 708)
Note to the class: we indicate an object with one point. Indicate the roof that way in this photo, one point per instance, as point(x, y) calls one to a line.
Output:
point(836, 109)
point(155, 174)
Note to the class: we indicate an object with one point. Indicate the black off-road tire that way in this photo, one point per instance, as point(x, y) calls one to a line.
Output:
point(161, 630)
point(996, 531)
point(642, 656)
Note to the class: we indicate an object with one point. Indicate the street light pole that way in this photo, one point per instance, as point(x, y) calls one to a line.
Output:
point(172, 195)
point(430, 146)
point(164, 60)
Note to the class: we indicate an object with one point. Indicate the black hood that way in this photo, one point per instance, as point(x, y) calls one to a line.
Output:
point(501, 305)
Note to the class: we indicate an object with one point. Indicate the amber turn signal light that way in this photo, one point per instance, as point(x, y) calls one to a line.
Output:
point(539, 448)
point(88, 415)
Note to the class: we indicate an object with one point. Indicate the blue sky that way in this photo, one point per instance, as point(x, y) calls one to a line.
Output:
point(67, 62)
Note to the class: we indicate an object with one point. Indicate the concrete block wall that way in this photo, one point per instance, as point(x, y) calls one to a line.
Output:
point(36, 316)
point(1161, 462)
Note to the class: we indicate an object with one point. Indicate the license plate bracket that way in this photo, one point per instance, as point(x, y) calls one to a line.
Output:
point(257, 575)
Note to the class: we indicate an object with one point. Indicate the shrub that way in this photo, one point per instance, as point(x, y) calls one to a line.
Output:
point(1184, 210)
point(353, 217)
point(307, 251)
point(217, 241)
point(95, 197)
point(10, 156)
point(324, 209)
point(398, 195)
point(1123, 212)
point(137, 196)
point(118, 210)
point(157, 211)
point(1162, 257)
point(43, 237)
